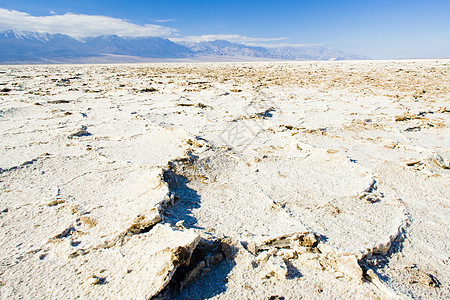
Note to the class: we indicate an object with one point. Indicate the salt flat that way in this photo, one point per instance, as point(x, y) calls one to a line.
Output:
point(276, 180)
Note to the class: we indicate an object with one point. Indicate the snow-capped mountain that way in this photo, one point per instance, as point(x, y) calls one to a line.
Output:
point(225, 48)
point(137, 46)
point(312, 53)
point(41, 47)
point(36, 47)
point(28, 35)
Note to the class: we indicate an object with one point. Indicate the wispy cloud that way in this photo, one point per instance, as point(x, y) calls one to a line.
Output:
point(278, 45)
point(164, 21)
point(236, 38)
point(78, 25)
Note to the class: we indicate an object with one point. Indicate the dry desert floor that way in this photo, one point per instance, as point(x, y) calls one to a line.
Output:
point(263, 180)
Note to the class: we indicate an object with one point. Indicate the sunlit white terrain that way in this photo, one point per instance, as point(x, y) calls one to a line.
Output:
point(277, 180)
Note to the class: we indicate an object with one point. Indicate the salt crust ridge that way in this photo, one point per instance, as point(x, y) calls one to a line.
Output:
point(89, 220)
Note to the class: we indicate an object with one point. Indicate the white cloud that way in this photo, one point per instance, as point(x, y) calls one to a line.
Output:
point(78, 25)
point(165, 20)
point(236, 38)
point(278, 45)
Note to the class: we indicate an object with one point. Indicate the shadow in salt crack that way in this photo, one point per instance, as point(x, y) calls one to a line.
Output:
point(380, 264)
point(186, 199)
point(293, 272)
point(207, 285)
point(206, 276)
point(322, 238)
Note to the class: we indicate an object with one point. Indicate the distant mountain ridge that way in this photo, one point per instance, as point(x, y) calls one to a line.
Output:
point(137, 46)
point(36, 47)
point(225, 48)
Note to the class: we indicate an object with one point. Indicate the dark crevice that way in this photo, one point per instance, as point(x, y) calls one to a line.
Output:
point(145, 229)
point(178, 175)
point(292, 271)
point(212, 257)
point(209, 258)
point(378, 261)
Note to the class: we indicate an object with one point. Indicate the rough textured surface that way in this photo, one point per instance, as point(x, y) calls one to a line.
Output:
point(254, 181)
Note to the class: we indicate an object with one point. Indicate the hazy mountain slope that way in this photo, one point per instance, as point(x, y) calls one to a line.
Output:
point(312, 53)
point(225, 48)
point(137, 46)
point(34, 47)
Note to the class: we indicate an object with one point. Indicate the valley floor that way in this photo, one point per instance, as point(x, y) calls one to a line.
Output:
point(259, 180)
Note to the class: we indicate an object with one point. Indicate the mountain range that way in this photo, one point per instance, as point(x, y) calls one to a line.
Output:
point(36, 47)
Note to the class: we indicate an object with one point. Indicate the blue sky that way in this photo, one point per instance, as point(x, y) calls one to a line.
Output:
point(379, 29)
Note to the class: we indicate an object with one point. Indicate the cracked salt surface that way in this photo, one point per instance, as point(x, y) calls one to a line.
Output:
point(259, 180)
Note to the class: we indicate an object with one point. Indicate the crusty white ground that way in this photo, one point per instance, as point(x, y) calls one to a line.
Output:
point(354, 152)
